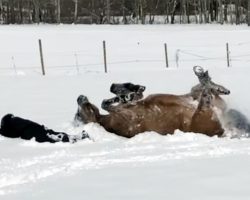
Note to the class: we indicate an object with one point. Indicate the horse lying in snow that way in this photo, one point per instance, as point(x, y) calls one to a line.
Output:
point(162, 113)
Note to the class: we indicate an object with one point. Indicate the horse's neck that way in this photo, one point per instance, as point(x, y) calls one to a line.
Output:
point(219, 103)
point(108, 122)
point(104, 120)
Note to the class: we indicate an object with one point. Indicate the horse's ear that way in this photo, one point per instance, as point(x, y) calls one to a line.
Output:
point(206, 73)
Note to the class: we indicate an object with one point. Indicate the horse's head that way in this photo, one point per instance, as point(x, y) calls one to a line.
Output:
point(86, 112)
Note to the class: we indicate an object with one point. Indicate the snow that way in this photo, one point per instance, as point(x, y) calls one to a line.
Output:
point(148, 166)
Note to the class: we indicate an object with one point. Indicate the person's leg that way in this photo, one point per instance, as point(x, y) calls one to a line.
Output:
point(63, 137)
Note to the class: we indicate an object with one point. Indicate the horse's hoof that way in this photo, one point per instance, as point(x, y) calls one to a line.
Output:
point(141, 89)
point(113, 88)
point(198, 70)
point(82, 100)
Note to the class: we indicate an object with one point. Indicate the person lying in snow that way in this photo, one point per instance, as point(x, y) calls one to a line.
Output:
point(16, 127)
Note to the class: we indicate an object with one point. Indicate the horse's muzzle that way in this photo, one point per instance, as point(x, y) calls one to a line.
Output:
point(227, 92)
point(222, 90)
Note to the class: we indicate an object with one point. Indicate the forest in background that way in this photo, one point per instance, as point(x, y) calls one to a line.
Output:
point(125, 11)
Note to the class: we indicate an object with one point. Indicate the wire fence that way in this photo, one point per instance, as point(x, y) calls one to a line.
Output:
point(133, 58)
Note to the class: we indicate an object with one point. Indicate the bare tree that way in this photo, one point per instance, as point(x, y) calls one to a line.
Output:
point(131, 11)
point(151, 8)
point(1, 12)
point(213, 10)
point(205, 11)
point(141, 12)
point(188, 11)
point(124, 17)
point(248, 12)
point(76, 10)
point(195, 11)
point(200, 11)
point(183, 12)
point(30, 7)
point(108, 11)
point(166, 11)
point(237, 13)
point(174, 5)
point(12, 12)
point(37, 10)
point(225, 11)
point(221, 18)
point(230, 11)
point(58, 11)
point(20, 8)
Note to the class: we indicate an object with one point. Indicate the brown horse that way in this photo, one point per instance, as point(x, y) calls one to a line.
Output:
point(163, 113)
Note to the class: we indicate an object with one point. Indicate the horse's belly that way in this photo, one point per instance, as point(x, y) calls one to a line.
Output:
point(161, 119)
point(167, 121)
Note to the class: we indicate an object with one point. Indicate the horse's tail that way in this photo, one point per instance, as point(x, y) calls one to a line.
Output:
point(238, 120)
point(248, 128)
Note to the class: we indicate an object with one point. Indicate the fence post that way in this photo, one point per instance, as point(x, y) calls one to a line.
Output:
point(105, 56)
point(14, 65)
point(166, 54)
point(77, 67)
point(41, 56)
point(228, 55)
point(177, 57)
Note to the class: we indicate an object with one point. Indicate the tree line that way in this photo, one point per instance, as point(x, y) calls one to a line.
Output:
point(124, 11)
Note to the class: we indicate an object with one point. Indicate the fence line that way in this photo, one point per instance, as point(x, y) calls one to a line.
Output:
point(181, 55)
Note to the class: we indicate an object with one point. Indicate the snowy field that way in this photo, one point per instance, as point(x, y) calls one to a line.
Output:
point(148, 166)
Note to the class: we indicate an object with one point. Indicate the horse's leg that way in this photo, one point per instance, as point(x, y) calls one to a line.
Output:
point(134, 88)
point(107, 104)
point(206, 82)
point(128, 92)
point(119, 88)
point(205, 100)
point(202, 75)
point(204, 119)
point(125, 88)
point(127, 98)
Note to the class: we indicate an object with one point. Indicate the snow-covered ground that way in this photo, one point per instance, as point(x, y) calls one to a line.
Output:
point(148, 166)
